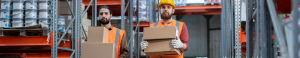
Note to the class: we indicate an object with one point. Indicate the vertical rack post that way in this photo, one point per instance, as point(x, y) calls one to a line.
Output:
point(130, 32)
point(268, 34)
point(228, 18)
point(237, 26)
point(80, 26)
point(263, 29)
point(54, 28)
point(151, 10)
point(122, 15)
point(94, 13)
point(278, 30)
point(156, 19)
point(257, 32)
point(137, 29)
point(223, 15)
point(74, 2)
point(249, 28)
point(296, 31)
point(232, 39)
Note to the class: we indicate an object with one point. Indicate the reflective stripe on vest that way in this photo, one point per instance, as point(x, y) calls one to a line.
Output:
point(155, 24)
point(117, 39)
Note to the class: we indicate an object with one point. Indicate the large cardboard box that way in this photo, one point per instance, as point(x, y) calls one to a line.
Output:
point(114, 24)
point(64, 11)
point(67, 23)
point(114, 21)
point(119, 25)
point(68, 19)
point(152, 33)
point(67, 16)
point(64, 4)
point(97, 34)
point(161, 48)
point(98, 50)
point(86, 22)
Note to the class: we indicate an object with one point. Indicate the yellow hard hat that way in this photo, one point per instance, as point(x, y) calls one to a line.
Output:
point(170, 2)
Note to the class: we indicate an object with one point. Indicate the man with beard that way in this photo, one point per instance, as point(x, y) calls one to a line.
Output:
point(167, 8)
point(116, 35)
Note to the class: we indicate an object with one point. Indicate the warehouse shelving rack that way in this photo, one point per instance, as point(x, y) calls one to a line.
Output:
point(77, 26)
point(31, 46)
point(296, 49)
point(261, 24)
point(58, 50)
point(74, 46)
point(77, 30)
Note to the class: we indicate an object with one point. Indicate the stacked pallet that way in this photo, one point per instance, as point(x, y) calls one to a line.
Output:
point(36, 30)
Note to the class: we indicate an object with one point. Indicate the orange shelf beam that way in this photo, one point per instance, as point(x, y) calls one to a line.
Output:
point(24, 41)
point(142, 24)
point(200, 7)
point(31, 41)
point(194, 10)
point(40, 55)
point(242, 37)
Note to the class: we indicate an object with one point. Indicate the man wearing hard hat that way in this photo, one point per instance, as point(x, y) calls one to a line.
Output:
point(166, 9)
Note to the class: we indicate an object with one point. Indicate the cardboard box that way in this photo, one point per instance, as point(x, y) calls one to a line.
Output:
point(114, 21)
point(97, 34)
point(244, 55)
point(98, 50)
point(85, 16)
point(243, 26)
point(115, 25)
point(64, 4)
point(66, 37)
point(64, 11)
point(67, 17)
point(67, 23)
point(161, 48)
point(119, 25)
point(86, 22)
point(152, 33)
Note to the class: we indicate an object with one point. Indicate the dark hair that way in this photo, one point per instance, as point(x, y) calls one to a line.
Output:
point(104, 6)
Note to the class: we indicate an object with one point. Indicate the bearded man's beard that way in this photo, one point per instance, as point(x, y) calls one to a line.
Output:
point(167, 16)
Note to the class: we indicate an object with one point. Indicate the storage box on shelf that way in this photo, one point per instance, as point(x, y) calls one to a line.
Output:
point(63, 8)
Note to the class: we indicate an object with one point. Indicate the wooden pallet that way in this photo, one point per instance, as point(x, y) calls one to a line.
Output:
point(24, 31)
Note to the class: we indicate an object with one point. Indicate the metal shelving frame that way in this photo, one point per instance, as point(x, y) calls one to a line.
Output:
point(76, 30)
point(260, 17)
point(296, 39)
point(237, 25)
point(227, 32)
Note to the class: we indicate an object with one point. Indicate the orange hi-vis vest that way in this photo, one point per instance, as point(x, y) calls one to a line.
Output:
point(173, 23)
point(115, 36)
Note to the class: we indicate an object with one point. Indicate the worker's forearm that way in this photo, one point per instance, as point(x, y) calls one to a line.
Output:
point(124, 55)
point(183, 48)
point(124, 48)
